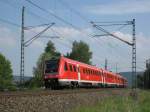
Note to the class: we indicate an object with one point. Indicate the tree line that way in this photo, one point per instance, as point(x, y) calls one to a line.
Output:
point(143, 80)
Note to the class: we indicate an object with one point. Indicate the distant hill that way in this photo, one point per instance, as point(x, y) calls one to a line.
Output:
point(128, 75)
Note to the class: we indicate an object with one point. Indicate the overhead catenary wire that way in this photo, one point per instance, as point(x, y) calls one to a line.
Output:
point(103, 30)
point(78, 29)
point(122, 23)
point(29, 27)
point(73, 10)
point(26, 27)
point(96, 39)
point(78, 14)
point(28, 42)
point(9, 22)
point(59, 18)
point(52, 14)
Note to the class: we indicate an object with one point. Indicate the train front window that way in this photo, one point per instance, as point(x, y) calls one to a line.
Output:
point(51, 66)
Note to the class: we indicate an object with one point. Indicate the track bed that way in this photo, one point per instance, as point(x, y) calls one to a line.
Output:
point(54, 100)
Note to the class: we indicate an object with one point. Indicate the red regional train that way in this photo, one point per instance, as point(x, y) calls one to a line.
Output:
point(64, 72)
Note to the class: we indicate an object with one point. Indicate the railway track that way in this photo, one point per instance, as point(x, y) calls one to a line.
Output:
point(55, 92)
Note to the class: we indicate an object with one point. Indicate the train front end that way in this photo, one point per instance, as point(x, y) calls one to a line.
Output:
point(51, 73)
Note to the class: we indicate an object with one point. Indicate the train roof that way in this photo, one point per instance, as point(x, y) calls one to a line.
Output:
point(90, 66)
point(80, 63)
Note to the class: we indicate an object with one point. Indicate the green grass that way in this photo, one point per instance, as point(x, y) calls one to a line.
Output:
point(120, 104)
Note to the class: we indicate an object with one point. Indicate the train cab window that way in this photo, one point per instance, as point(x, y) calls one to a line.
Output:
point(51, 66)
point(70, 66)
point(65, 67)
point(74, 68)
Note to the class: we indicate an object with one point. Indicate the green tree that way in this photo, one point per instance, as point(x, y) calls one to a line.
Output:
point(80, 52)
point(49, 53)
point(5, 73)
point(146, 77)
point(140, 81)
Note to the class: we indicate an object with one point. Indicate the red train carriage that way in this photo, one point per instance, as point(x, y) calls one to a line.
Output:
point(67, 72)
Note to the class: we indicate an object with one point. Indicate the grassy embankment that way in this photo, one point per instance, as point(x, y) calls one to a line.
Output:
point(120, 104)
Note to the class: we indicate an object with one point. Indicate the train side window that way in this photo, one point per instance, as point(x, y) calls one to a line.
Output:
point(91, 72)
point(86, 71)
point(65, 67)
point(70, 67)
point(74, 67)
point(97, 72)
point(83, 71)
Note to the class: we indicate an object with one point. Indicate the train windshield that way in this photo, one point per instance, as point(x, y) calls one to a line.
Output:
point(51, 66)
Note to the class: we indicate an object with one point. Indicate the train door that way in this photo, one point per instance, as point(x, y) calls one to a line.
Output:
point(103, 78)
point(79, 75)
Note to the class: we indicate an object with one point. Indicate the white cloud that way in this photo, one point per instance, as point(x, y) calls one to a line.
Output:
point(126, 37)
point(38, 43)
point(7, 38)
point(120, 7)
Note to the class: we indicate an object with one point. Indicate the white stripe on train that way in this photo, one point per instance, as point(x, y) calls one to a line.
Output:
point(86, 81)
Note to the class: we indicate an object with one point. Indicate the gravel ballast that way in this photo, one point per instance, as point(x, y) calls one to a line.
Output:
point(54, 103)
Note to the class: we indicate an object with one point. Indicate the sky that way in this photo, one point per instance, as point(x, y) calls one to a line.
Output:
point(72, 22)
